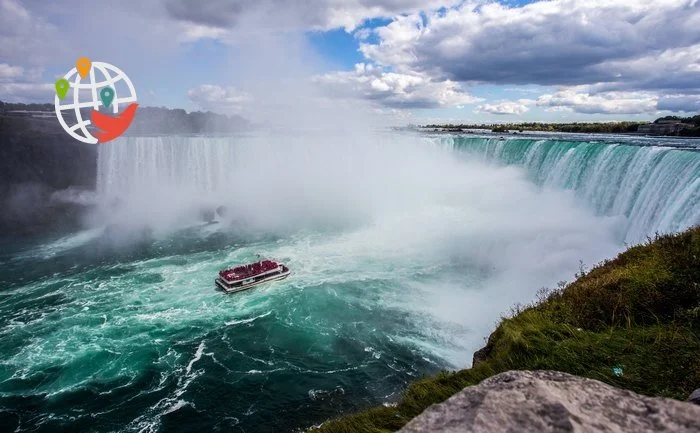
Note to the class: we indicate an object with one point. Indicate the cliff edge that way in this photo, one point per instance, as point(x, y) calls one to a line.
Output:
point(632, 322)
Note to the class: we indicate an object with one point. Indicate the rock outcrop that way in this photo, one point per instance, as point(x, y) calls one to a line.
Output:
point(695, 397)
point(553, 402)
point(481, 355)
point(38, 160)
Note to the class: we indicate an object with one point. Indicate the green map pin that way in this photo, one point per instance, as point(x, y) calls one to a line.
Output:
point(62, 87)
point(107, 95)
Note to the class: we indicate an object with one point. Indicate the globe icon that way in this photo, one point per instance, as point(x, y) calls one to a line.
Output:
point(84, 94)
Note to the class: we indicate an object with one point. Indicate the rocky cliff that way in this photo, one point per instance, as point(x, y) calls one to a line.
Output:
point(38, 159)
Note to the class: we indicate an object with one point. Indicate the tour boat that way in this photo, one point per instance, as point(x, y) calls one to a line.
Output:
point(247, 276)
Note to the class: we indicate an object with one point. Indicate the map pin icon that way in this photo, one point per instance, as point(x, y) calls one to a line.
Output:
point(107, 95)
point(62, 87)
point(83, 66)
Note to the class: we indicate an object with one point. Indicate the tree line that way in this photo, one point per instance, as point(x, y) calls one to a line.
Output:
point(580, 127)
point(156, 120)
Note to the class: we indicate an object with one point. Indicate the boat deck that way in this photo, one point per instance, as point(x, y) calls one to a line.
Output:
point(279, 272)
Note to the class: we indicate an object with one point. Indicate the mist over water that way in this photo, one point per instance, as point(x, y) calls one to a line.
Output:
point(656, 188)
point(404, 251)
point(397, 200)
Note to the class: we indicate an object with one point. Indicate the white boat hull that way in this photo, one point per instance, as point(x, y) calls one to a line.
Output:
point(228, 288)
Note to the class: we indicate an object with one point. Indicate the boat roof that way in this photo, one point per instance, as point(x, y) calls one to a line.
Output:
point(248, 271)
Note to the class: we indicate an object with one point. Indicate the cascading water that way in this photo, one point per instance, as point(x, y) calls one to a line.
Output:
point(656, 188)
point(403, 254)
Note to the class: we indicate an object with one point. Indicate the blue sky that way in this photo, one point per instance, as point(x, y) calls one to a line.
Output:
point(414, 60)
point(337, 46)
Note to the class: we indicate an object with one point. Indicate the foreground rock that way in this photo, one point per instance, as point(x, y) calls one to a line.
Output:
point(553, 402)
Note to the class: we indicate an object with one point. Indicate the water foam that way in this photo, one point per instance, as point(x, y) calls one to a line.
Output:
point(656, 188)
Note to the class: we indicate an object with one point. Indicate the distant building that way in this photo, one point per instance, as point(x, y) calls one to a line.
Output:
point(664, 127)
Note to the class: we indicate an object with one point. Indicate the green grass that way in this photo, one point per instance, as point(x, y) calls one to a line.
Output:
point(640, 312)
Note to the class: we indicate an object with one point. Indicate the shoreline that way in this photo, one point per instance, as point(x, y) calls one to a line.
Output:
point(534, 132)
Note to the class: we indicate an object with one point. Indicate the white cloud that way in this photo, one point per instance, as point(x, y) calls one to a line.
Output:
point(506, 107)
point(605, 57)
point(193, 32)
point(362, 34)
point(18, 84)
point(670, 70)
point(9, 72)
point(680, 103)
point(23, 35)
point(632, 56)
point(557, 42)
point(225, 100)
point(395, 90)
point(26, 92)
point(602, 103)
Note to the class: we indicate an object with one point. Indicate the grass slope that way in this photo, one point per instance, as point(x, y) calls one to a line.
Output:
point(639, 312)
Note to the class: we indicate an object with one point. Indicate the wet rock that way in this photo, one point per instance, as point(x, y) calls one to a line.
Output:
point(222, 211)
point(553, 402)
point(207, 215)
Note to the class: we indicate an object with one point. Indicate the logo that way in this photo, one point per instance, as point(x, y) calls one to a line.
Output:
point(101, 88)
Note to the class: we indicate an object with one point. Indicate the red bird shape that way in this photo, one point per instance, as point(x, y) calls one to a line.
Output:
point(112, 127)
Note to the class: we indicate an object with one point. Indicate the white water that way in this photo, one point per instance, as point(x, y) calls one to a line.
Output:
point(657, 189)
point(390, 208)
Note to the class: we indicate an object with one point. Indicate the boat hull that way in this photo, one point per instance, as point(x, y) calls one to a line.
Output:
point(228, 288)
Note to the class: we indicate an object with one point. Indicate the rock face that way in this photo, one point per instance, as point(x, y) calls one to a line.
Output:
point(553, 402)
point(695, 397)
point(481, 355)
point(38, 159)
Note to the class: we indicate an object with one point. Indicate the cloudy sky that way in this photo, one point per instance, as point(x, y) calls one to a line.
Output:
point(421, 60)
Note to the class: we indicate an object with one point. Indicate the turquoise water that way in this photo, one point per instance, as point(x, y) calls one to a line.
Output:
point(656, 188)
point(404, 252)
point(141, 341)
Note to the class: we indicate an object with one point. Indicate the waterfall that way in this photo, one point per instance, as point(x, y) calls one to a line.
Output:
point(656, 188)
point(133, 163)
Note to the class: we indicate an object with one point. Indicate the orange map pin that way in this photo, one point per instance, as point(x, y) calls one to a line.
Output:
point(83, 65)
